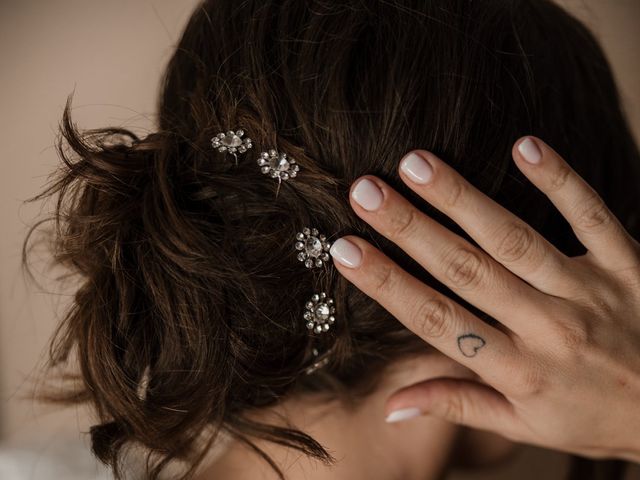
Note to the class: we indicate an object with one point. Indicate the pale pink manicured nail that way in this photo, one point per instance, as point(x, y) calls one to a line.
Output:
point(417, 168)
point(367, 194)
point(403, 414)
point(346, 252)
point(530, 151)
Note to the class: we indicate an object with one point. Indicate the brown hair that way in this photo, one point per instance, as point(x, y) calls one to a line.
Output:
point(185, 261)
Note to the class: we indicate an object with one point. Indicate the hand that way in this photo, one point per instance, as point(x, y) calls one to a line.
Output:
point(562, 370)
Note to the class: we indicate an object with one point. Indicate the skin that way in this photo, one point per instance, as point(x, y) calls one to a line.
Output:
point(364, 445)
point(562, 371)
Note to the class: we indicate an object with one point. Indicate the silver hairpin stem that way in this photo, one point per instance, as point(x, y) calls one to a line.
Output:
point(319, 360)
point(143, 385)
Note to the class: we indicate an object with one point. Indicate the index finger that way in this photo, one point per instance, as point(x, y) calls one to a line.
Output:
point(434, 317)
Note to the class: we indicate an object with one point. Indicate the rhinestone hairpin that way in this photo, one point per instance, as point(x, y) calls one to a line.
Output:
point(278, 165)
point(313, 246)
point(231, 142)
point(319, 360)
point(319, 313)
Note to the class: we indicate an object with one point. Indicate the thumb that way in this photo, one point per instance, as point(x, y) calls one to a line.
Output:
point(464, 402)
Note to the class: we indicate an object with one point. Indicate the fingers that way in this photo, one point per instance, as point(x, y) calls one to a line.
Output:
point(592, 222)
point(504, 236)
point(438, 320)
point(464, 402)
point(464, 268)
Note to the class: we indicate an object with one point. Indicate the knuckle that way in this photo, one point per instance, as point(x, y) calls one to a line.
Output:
point(433, 318)
point(456, 194)
point(385, 277)
point(603, 306)
point(629, 280)
point(463, 268)
point(572, 335)
point(403, 224)
point(559, 177)
point(591, 215)
point(454, 409)
point(516, 242)
point(530, 381)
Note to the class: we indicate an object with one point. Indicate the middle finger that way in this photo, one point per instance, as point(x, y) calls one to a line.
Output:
point(503, 235)
point(464, 268)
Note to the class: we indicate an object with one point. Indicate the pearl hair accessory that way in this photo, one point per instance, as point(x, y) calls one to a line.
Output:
point(278, 165)
point(231, 142)
point(314, 247)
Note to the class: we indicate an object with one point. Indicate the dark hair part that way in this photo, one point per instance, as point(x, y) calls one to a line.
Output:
point(186, 262)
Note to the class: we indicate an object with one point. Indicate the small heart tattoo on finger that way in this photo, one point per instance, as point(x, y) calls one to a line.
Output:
point(469, 344)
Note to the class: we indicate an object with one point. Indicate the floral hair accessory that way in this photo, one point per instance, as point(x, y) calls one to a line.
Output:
point(313, 247)
point(231, 142)
point(319, 313)
point(278, 165)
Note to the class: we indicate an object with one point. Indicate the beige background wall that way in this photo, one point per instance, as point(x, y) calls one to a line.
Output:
point(112, 54)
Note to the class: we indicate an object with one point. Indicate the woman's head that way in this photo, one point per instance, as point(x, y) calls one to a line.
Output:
point(189, 281)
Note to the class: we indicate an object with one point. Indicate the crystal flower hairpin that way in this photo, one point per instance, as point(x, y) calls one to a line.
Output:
point(313, 247)
point(231, 142)
point(271, 162)
point(319, 313)
point(278, 165)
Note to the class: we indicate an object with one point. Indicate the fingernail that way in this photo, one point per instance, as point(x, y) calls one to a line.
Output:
point(530, 151)
point(346, 252)
point(367, 194)
point(417, 168)
point(403, 414)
